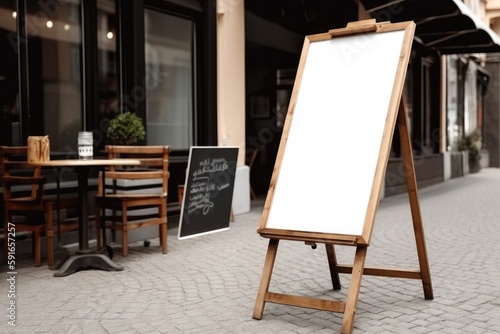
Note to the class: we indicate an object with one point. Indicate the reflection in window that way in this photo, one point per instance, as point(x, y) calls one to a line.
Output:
point(54, 72)
point(453, 126)
point(107, 81)
point(470, 103)
point(9, 112)
point(169, 86)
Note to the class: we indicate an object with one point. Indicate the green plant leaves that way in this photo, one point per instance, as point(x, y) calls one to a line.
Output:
point(126, 129)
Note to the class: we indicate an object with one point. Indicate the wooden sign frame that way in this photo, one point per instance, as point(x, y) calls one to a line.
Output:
point(396, 115)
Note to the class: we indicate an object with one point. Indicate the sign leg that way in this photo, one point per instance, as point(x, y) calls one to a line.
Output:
point(411, 183)
point(332, 262)
point(266, 278)
point(352, 296)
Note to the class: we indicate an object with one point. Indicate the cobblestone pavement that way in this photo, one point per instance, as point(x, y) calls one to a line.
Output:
point(209, 284)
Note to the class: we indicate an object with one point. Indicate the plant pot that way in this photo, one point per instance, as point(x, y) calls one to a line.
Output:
point(474, 165)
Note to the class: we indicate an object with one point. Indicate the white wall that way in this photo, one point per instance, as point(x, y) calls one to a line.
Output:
point(231, 92)
point(231, 75)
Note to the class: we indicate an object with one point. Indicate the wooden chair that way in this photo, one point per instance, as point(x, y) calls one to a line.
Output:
point(115, 209)
point(23, 196)
point(250, 165)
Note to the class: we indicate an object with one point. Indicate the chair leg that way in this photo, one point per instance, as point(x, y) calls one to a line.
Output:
point(163, 227)
point(163, 237)
point(113, 229)
point(50, 237)
point(124, 232)
point(5, 238)
point(252, 193)
point(124, 241)
point(37, 236)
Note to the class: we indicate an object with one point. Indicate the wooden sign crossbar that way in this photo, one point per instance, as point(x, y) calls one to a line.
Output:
point(343, 235)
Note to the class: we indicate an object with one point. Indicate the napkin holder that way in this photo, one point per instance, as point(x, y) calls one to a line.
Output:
point(38, 148)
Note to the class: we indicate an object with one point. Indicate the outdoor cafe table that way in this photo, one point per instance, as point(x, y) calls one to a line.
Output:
point(85, 257)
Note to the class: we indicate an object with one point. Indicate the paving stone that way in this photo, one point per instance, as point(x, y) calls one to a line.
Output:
point(209, 284)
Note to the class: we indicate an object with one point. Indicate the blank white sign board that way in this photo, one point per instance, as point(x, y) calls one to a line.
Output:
point(337, 119)
point(333, 155)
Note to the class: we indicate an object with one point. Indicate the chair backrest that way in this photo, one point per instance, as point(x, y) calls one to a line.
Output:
point(15, 160)
point(154, 164)
point(17, 172)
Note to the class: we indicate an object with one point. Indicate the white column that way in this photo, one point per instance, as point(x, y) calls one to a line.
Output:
point(231, 92)
point(231, 75)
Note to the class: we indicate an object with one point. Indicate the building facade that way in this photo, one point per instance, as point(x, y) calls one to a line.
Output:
point(449, 92)
point(72, 65)
point(220, 72)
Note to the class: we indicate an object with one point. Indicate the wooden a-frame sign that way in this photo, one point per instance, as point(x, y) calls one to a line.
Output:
point(345, 105)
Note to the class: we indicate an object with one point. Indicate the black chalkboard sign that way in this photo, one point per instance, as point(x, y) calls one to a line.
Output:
point(208, 191)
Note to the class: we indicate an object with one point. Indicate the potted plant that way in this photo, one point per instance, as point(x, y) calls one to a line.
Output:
point(472, 143)
point(126, 129)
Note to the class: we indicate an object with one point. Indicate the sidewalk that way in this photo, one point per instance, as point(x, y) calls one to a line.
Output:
point(209, 284)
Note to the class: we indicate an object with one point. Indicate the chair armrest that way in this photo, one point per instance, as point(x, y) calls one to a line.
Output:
point(23, 180)
point(11, 181)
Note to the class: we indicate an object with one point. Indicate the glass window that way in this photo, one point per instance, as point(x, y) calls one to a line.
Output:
point(169, 44)
point(9, 84)
point(107, 68)
point(470, 103)
point(54, 42)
